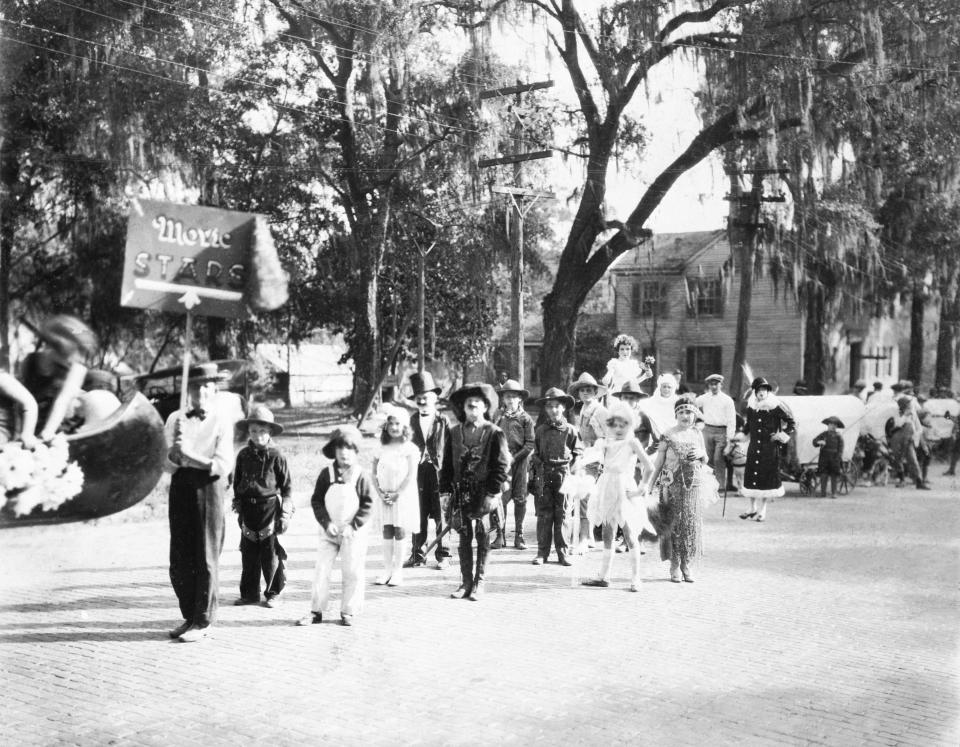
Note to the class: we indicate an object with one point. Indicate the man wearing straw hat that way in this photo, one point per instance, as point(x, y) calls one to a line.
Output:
point(201, 459)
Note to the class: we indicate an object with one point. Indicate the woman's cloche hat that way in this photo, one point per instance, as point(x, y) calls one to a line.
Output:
point(262, 415)
point(761, 383)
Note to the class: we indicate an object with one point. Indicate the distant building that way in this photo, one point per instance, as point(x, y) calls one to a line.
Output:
point(677, 295)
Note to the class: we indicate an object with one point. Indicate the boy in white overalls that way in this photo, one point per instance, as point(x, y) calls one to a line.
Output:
point(342, 500)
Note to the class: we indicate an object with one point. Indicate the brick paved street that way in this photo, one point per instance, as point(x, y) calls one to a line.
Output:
point(833, 623)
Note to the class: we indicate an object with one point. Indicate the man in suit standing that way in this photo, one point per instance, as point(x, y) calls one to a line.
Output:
point(430, 433)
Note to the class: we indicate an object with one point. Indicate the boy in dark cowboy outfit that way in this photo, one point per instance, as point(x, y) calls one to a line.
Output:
point(475, 465)
point(517, 426)
point(557, 446)
point(263, 500)
point(430, 433)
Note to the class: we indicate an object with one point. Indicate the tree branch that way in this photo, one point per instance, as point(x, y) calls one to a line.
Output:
point(698, 16)
point(723, 130)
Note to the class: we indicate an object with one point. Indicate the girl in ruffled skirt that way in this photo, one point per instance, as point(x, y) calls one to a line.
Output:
point(616, 500)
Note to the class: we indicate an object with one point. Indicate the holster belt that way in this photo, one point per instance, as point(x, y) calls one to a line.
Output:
point(255, 536)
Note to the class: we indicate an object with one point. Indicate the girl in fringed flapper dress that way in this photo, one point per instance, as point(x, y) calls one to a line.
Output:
point(684, 486)
point(615, 501)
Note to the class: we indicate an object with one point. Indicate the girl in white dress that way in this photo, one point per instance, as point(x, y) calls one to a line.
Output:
point(395, 478)
point(616, 500)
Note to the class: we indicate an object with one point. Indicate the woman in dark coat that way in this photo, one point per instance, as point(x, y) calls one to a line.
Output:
point(769, 424)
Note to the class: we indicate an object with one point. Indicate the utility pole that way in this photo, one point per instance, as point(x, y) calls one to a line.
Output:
point(518, 196)
point(423, 251)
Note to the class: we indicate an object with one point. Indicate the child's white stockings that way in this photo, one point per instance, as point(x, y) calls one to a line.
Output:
point(606, 563)
point(388, 553)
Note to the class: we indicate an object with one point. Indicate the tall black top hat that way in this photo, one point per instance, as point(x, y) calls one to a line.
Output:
point(422, 383)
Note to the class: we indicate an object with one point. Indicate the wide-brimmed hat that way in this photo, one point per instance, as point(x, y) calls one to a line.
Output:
point(474, 389)
point(714, 377)
point(555, 393)
point(761, 383)
point(422, 382)
point(833, 420)
point(262, 415)
point(68, 336)
point(511, 386)
point(630, 388)
point(586, 380)
point(860, 384)
point(347, 435)
point(902, 385)
point(204, 373)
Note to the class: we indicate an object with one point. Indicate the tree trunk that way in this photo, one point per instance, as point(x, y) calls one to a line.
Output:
point(9, 171)
point(946, 338)
point(557, 357)
point(917, 307)
point(813, 349)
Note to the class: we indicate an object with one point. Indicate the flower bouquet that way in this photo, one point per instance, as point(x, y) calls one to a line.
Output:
point(43, 476)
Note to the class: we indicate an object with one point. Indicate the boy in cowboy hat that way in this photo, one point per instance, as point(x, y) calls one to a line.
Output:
point(201, 459)
point(517, 426)
point(830, 461)
point(589, 416)
point(430, 432)
point(476, 463)
point(263, 500)
point(341, 502)
point(557, 446)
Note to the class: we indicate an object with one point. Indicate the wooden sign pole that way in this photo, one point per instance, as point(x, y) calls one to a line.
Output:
point(189, 300)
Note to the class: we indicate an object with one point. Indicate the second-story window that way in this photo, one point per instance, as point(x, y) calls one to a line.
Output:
point(648, 298)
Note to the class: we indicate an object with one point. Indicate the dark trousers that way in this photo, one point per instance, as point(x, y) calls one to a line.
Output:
point(429, 491)
point(553, 519)
point(196, 540)
point(262, 558)
point(471, 529)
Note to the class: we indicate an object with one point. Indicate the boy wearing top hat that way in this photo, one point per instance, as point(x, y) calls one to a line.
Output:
point(430, 432)
point(557, 446)
point(263, 501)
point(201, 459)
point(475, 465)
point(517, 426)
point(589, 416)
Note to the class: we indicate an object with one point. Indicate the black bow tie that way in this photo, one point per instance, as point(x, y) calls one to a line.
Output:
point(196, 412)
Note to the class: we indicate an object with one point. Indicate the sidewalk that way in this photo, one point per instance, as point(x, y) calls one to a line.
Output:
point(835, 622)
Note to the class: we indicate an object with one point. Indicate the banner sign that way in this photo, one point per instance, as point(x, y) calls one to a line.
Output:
point(175, 250)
